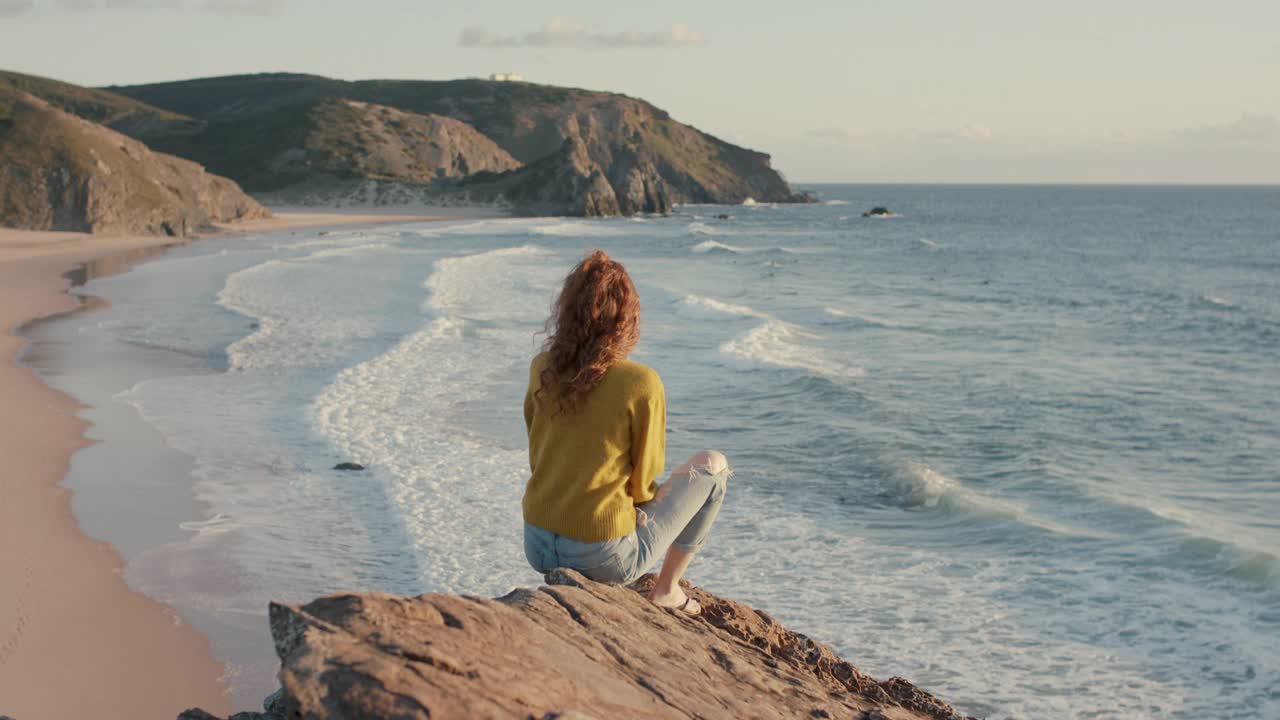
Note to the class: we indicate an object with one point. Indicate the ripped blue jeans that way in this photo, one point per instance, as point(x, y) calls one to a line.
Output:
point(680, 514)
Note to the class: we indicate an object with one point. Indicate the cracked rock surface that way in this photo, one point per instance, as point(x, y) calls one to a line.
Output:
point(570, 649)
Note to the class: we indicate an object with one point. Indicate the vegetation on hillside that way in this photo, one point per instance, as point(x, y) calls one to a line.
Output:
point(62, 172)
point(273, 132)
point(628, 140)
point(105, 108)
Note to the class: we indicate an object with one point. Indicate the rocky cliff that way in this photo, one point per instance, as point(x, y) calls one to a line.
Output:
point(333, 144)
point(571, 649)
point(62, 172)
point(648, 159)
point(567, 182)
point(541, 149)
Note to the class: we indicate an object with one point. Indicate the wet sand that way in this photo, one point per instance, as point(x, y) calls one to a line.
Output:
point(75, 640)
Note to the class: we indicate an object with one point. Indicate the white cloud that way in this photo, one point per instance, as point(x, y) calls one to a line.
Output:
point(12, 8)
point(222, 7)
point(871, 142)
point(1249, 130)
point(846, 139)
point(954, 136)
point(833, 134)
point(245, 7)
point(561, 34)
point(980, 133)
point(1246, 150)
point(143, 4)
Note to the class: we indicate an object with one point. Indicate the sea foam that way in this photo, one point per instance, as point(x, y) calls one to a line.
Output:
point(708, 246)
point(1005, 552)
point(426, 416)
point(583, 228)
point(702, 307)
point(289, 331)
point(778, 344)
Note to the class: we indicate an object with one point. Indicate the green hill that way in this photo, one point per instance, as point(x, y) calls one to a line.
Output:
point(281, 145)
point(648, 159)
point(63, 172)
point(118, 112)
point(537, 148)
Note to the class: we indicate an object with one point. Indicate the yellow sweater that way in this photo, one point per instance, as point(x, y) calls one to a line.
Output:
point(591, 467)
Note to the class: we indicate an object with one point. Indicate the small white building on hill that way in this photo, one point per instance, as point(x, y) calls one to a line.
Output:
point(505, 77)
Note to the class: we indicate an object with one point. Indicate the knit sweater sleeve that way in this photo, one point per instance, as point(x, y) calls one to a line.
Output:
point(535, 382)
point(648, 440)
point(528, 410)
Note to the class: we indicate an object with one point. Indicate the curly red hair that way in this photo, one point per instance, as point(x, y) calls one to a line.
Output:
point(594, 323)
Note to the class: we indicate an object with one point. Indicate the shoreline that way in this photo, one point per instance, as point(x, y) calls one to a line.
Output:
point(75, 638)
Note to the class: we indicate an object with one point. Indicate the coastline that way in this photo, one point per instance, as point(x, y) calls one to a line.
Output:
point(74, 637)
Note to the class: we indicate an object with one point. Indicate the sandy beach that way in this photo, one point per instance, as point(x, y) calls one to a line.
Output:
point(74, 639)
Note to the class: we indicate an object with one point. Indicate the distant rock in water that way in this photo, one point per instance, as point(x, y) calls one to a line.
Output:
point(62, 172)
point(878, 211)
point(348, 466)
point(571, 649)
point(723, 216)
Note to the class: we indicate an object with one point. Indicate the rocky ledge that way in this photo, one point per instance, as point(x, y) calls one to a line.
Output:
point(571, 649)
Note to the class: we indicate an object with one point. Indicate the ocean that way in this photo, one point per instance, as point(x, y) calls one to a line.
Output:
point(1020, 445)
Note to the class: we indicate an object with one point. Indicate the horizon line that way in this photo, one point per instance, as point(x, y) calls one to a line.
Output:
point(1044, 183)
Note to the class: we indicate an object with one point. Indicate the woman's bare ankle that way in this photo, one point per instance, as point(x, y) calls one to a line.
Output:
point(659, 593)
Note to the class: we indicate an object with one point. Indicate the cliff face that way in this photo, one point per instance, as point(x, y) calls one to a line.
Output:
point(541, 149)
point(61, 172)
point(366, 140)
point(568, 182)
point(318, 142)
point(572, 649)
point(649, 160)
point(643, 153)
point(571, 182)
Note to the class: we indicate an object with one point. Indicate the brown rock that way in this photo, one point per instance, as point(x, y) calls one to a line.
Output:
point(649, 160)
point(356, 140)
point(197, 714)
point(573, 649)
point(638, 184)
point(62, 172)
point(567, 183)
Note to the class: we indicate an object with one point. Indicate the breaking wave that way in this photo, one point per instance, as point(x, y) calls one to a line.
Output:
point(698, 306)
point(778, 344)
point(1219, 302)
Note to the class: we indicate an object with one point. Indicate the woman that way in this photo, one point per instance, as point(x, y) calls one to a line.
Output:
point(597, 440)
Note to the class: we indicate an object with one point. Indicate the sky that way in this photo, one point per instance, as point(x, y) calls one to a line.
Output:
point(1177, 91)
